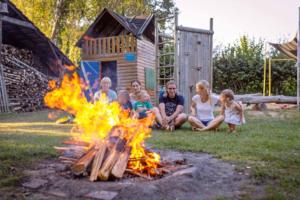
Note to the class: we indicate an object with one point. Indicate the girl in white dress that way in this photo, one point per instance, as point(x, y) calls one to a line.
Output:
point(232, 110)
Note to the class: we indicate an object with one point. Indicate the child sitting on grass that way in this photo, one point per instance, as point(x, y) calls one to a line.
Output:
point(124, 101)
point(232, 110)
point(143, 106)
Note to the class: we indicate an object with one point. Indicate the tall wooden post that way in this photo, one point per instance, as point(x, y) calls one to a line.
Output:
point(211, 28)
point(4, 105)
point(156, 55)
point(298, 64)
point(176, 63)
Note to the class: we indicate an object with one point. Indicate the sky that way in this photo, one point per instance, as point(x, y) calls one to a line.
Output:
point(271, 20)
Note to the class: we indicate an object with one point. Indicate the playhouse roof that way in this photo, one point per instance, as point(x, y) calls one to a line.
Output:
point(20, 32)
point(289, 48)
point(136, 25)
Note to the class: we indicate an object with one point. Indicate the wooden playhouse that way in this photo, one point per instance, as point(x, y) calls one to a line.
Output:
point(123, 49)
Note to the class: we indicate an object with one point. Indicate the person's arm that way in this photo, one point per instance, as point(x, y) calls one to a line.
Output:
point(163, 114)
point(239, 108)
point(193, 108)
point(178, 110)
point(222, 110)
point(162, 110)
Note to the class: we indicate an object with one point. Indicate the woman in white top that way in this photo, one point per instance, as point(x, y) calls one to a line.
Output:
point(203, 104)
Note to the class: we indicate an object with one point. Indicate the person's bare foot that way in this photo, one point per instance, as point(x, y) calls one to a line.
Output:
point(195, 129)
point(171, 128)
point(232, 131)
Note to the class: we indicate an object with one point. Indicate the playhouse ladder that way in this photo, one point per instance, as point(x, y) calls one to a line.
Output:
point(166, 48)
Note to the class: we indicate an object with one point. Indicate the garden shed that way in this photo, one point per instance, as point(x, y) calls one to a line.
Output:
point(122, 48)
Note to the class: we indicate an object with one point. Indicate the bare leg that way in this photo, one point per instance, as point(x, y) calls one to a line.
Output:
point(180, 119)
point(195, 123)
point(231, 128)
point(157, 114)
point(215, 123)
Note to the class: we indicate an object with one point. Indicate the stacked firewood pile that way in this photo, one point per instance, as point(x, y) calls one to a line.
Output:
point(110, 158)
point(26, 86)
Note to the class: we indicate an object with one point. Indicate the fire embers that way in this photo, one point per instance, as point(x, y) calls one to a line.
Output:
point(106, 141)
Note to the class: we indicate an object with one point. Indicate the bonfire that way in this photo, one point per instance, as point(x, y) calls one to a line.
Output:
point(105, 141)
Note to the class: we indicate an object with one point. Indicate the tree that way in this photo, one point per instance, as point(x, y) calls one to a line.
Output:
point(240, 67)
point(64, 21)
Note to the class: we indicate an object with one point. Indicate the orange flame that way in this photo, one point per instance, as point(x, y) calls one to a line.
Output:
point(95, 121)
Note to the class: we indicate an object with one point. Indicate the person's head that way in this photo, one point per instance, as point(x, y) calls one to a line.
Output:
point(203, 88)
point(171, 89)
point(144, 96)
point(136, 86)
point(105, 84)
point(226, 96)
point(123, 97)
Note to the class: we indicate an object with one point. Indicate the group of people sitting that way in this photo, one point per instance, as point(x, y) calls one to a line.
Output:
point(169, 114)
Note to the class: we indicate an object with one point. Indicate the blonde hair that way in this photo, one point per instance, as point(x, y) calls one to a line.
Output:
point(204, 84)
point(144, 94)
point(124, 93)
point(228, 93)
point(105, 80)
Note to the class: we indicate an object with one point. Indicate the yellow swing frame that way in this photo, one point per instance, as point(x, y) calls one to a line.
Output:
point(268, 64)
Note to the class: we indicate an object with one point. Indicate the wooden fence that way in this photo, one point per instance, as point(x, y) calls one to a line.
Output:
point(109, 45)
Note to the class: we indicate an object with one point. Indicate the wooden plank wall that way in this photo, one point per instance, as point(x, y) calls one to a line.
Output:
point(109, 45)
point(194, 62)
point(126, 71)
point(146, 58)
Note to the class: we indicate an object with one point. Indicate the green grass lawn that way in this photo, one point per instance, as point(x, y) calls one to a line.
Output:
point(268, 145)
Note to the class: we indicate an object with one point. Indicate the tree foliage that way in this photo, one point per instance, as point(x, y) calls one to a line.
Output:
point(64, 21)
point(240, 67)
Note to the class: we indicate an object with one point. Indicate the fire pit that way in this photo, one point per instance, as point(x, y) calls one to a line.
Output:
point(106, 141)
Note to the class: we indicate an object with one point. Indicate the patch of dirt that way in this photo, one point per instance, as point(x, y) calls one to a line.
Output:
point(275, 114)
point(207, 178)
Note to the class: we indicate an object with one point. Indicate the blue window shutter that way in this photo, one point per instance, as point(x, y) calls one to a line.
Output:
point(150, 78)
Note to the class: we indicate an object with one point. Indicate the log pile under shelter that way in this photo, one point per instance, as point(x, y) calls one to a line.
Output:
point(28, 61)
point(25, 85)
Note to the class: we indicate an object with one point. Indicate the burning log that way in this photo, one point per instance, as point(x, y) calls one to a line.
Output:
point(81, 165)
point(117, 147)
point(107, 166)
point(138, 174)
point(67, 159)
point(120, 166)
point(78, 143)
point(98, 160)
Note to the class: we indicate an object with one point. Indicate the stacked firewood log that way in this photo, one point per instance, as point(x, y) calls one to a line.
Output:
point(110, 158)
point(25, 85)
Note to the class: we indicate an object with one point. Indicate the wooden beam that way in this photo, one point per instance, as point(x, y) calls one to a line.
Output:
point(211, 28)
point(298, 63)
point(195, 30)
point(3, 92)
point(17, 22)
point(250, 99)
